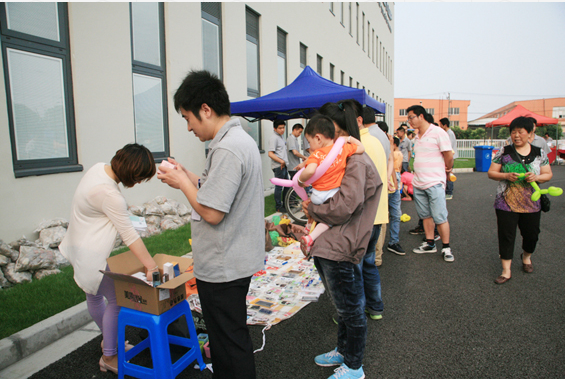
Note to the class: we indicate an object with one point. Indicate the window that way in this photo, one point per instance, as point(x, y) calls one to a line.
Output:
point(369, 42)
point(303, 51)
point(341, 12)
point(342, 82)
point(350, 21)
point(149, 77)
point(373, 44)
point(558, 112)
point(252, 54)
point(350, 81)
point(377, 51)
point(430, 111)
point(332, 7)
point(453, 111)
point(37, 75)
point(332, 68)
point(363, 31)
point(357, 23)
point(402, 112)
point(454, 123)
point(281, 58)
point(357, 84)
point(212, 38)
point(319, 64)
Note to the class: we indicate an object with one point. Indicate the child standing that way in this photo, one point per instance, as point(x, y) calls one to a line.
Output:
point(320, 133)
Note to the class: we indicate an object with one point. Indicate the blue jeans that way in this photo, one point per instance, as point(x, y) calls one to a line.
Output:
point(280, 192)
point(394, 213)
point(371, 277)
point(344, 282)
point(449, 188)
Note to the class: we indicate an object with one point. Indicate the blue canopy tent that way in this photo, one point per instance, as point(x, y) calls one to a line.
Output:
point(300, 99)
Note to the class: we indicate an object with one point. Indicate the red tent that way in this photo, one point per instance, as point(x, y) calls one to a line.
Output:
point(521, 111)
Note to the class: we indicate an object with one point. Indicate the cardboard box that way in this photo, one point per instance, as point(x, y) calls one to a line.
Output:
point(134, 293)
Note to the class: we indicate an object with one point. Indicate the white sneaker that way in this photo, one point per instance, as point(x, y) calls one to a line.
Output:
point(447, 255)
point(425, 248)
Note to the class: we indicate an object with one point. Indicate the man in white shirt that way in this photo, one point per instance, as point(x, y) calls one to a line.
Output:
point(279, 161)
point(293, 146)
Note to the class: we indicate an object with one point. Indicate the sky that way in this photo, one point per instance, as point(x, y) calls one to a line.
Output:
point(489, 53)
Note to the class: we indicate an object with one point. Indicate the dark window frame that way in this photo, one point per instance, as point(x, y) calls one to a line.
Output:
point(214, 19)
point(56, 49)
point(154, 71)
point(256, 40)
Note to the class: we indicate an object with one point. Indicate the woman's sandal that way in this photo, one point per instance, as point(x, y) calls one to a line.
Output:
point(104, 367)
point(502, 279)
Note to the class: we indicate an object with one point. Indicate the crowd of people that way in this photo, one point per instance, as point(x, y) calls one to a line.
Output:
point(352, 202)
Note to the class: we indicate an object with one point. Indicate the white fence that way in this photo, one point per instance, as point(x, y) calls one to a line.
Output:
point(465, 147)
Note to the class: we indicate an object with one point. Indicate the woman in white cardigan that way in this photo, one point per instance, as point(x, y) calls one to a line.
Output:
point(99, 211)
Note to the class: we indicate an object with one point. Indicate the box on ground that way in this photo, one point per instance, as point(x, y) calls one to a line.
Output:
point(134, 293)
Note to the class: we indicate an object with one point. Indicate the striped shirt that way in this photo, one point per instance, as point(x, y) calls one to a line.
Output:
point(429, 165)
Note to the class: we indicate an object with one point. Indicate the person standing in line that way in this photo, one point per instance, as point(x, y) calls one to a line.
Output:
point(394, 209)
point(380, 131)
point(294, 156)
point(433, 160)
point(405, 148)
point(279, 161)
point(227, 195)
point(444, 124)
point(338, 253)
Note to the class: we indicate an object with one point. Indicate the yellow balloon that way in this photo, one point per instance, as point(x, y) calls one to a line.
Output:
point(405, 218)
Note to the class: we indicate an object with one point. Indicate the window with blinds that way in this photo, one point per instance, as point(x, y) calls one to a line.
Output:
point(37, 75)
point(281, 58)
point(212, 38)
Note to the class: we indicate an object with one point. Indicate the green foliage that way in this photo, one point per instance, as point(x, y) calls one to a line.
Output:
point(478, 133)
point(504, 133)
point(460, 133)
point(555, 131)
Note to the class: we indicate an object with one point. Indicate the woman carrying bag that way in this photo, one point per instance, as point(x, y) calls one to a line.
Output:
point(513, 204)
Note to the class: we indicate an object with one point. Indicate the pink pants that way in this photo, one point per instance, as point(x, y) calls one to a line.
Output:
point(105, 316)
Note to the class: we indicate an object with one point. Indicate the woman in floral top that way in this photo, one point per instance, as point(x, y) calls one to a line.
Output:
point(513, 204)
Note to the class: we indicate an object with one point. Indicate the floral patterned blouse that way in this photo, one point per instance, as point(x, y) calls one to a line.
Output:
point(516, 196)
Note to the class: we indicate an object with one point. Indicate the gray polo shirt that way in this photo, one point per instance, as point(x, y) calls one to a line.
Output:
point(278, 145)
point(453, 140)
point(232, 182)
point(405, 147)
point(377, 132)
point(292, 144)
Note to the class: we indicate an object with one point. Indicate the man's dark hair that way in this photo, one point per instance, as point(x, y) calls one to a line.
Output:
point(320, 124)
point(383, 126)
point(535, 122)
point(429, 118)
point(546, 134)
point(368, 116)
point(344, 114)
point(444, 121)
point(278, 123)
point(132, 164)
point(397, 141)
point(522, 123)
point(297, 126)
point(417, 110)
point(404, 126)
point(202, 87)
point(401, 128)
point(410, 133)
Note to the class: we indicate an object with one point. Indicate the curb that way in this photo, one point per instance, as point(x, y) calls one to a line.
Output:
point(36, 337)
point(460, 170)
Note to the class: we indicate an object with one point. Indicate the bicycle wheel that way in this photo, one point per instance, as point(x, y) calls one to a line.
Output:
point(293, 205)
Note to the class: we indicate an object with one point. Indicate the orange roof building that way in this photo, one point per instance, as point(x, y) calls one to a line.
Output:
point(554, 108)
point(454, 110)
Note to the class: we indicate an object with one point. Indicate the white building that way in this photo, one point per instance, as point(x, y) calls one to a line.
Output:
point(81, 80)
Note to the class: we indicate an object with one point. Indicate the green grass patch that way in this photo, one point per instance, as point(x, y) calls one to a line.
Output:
point(459, 163)
point(27, 304)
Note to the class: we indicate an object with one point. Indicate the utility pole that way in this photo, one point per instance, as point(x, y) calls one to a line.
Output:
point(448, 106)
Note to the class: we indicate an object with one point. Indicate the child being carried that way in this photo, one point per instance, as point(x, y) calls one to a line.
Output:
point(320, 132)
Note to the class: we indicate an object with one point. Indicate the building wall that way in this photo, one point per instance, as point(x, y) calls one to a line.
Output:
point(100, 45)
point(440, 110)
point(554, 108)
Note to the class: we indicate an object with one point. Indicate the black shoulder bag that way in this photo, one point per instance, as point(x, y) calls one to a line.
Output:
point(544, 200)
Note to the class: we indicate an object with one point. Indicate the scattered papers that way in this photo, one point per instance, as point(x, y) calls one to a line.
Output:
point(138, 223)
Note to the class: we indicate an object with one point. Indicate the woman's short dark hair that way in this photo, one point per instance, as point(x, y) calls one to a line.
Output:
point(522, 123)
point(397, 141)
point(320, 124)
point(132, 164)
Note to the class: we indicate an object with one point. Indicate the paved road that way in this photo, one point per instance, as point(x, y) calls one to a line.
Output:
point(442, 320)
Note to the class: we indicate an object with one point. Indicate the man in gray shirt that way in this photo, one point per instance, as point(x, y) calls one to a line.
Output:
point(405, 148)
point(293, 146)
point(444, 124)
point(279, 161)
point(228, 195)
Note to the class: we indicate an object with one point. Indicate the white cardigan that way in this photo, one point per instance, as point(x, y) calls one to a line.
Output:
point(99, 211)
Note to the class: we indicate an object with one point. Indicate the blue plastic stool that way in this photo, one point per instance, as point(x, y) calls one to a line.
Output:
point(158, 342)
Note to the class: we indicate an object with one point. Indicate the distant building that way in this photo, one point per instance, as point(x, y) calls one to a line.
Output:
point(454, 110)
point(554, 107)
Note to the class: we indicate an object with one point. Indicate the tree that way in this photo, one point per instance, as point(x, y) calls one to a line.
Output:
point(504, 133)
point(478, 133)
point(554, 131)
point(460, 133)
